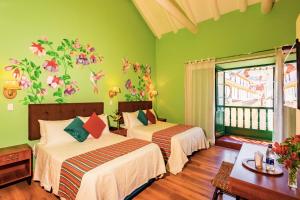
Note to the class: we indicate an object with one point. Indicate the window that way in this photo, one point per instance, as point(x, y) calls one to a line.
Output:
point(248, 95)
point(290, 84)
point(249, 87)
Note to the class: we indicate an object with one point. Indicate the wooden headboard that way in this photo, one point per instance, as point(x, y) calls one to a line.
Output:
point(132, 106)
point(58, 112)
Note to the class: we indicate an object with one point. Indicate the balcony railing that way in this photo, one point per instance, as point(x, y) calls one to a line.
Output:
point(254, 122)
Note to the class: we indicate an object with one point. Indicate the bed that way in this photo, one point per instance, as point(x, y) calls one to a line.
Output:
point(188, 140)
point(114, 179)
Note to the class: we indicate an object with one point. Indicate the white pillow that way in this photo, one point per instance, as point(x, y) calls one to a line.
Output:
point(52, 132)
point(133, 120)
point(43, 139)
point(103, 117)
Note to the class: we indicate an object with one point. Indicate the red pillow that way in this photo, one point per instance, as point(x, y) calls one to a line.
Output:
point(150, 116)
point(94, 125)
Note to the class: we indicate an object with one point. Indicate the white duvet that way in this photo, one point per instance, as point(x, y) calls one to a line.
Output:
point(182, 144)
point(110, 181)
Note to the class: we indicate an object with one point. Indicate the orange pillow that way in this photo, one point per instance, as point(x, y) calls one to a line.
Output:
point(94, 125)
point(151, 117)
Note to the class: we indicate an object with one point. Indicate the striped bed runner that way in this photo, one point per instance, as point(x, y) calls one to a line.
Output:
point(73, 169)
point(163, 138)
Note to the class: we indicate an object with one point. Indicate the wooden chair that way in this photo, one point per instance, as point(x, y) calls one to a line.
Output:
point(221, 181)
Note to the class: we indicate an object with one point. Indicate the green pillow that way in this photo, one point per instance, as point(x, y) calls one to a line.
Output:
point(76, 130)
point(142, 117)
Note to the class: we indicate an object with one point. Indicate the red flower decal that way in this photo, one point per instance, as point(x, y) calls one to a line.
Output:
point(51, 65)
point(38, 49)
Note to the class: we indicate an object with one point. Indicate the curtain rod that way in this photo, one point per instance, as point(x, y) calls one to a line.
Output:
point(261, 56)
point(245, 54)
point(271, 54)
point(225, 59)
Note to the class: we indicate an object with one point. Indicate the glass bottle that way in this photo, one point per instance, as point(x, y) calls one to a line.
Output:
point(270, 159)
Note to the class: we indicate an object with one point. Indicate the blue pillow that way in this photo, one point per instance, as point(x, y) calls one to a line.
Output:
point(76, 130)
point(142, 117)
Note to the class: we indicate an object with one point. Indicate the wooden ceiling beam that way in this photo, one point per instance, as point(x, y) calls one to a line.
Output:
point(142, 11)
point(214, 6)
point(171, 21)
point(266, 6)
point(242, 5)
point(175, 12)
point(185, 5)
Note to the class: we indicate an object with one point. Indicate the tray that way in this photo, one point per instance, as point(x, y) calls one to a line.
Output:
point(250, 165)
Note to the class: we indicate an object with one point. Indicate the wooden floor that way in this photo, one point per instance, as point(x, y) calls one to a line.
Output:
point(236, 142)
point(192, 183)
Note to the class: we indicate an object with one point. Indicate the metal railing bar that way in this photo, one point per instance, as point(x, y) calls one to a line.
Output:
point(258, 119)
point(243, 117)
point(229, 116)
point(267, 124)
point(236, 117)
point(250, 118)
point(269, 108)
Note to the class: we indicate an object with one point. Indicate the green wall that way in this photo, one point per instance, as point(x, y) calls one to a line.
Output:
point(115, 29)
point(234, 33)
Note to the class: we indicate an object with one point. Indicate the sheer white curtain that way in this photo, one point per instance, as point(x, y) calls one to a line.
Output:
point(284, 117)
point(278, 134)
point(200, 96)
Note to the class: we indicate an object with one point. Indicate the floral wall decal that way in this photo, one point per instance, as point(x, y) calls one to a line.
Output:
point(144, 88)
point(57, 63)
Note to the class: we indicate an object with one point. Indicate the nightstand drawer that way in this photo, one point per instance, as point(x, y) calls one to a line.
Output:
point(14, 157)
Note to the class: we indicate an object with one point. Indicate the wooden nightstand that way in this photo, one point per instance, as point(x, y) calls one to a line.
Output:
point(162, 119)
point(121, 131)
point(15, 164)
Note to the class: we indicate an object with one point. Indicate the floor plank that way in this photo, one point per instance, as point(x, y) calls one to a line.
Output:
point(192, 183)
point(236, 142)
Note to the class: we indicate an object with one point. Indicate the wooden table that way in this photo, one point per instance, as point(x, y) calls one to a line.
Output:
point(251, 185)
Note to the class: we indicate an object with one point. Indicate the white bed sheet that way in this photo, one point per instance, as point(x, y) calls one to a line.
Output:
point(182, 145)
point(110, 181)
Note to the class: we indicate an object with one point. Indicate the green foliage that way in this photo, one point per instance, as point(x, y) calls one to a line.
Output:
point(53, 54)
point(141, 92)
